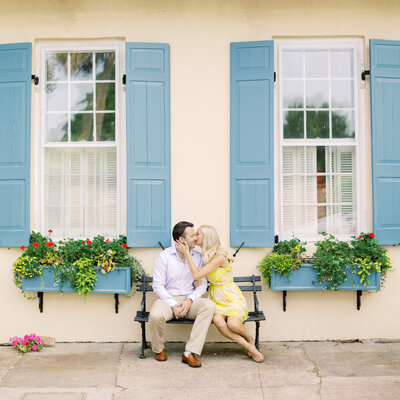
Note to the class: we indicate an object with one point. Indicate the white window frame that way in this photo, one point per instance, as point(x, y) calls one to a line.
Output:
point(357, 44)
point(103, 45)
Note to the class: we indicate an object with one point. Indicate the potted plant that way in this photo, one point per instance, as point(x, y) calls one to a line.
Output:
point(335, 265)
point(71, 265)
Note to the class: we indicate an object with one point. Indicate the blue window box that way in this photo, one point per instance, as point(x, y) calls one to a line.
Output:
point(117, 281)
point(303, 278)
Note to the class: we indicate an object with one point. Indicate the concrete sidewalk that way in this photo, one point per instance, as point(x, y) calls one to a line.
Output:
point(295, 370)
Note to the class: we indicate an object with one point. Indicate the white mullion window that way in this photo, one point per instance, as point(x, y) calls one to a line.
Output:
point(318, 138)
point(81, 164)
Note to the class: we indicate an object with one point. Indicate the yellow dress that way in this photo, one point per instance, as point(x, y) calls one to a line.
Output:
point(226, 294)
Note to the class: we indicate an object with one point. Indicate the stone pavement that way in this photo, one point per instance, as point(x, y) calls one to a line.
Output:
point(292, 370)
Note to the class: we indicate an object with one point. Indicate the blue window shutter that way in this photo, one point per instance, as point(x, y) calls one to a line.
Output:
point(15, 124)
point(252, 144)
point(148, 144)
point(385, 130)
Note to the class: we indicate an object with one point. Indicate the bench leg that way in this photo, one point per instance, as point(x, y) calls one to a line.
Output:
point(144, 345)
point(257, 344)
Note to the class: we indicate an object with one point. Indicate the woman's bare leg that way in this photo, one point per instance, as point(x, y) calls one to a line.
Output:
point(220, 322)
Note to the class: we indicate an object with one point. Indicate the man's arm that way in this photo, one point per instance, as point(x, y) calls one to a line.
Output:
point(160, 281)
point(202, 288)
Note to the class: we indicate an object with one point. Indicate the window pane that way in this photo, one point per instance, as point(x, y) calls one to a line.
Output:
point(105, 96)
point(81, 66)
point(57, 96)
point(293, 93)
point(56, 66)
point(81, 96)
point(317, 94)
point(292, 65)
point(293, 125)
point(105, 66)
point(342, 64)
point(105, 127)
point(342, 94)
point(343, 124)
point(316, 63)
point(317, 124)
point(81, 127)
point(57, 127)
point(81, 187)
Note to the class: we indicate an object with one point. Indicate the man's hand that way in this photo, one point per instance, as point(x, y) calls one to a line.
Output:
point(197, 282)
point(177, 309)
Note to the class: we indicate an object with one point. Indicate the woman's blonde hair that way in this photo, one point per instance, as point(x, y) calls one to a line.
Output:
point(211, 244)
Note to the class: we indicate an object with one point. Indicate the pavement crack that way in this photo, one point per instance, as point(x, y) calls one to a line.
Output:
point(315, 371)
point(121, 353)
point(10, 368)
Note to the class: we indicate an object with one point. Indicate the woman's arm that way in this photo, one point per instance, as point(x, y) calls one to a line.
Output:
point(217, 261)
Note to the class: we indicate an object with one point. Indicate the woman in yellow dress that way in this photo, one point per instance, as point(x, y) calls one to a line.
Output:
point(231, 307)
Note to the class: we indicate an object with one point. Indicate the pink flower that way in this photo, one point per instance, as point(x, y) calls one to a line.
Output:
point(36, 244)
point(14, 343)
point(34, 347)
point(371, 235)
point(125, 246)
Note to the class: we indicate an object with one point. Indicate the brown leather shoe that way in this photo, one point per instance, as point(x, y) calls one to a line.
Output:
point(191, 360)
point(161, 356)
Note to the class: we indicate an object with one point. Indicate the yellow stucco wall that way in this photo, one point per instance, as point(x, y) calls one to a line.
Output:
point(199, 33)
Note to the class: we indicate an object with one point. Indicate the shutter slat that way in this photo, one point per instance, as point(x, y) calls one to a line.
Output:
point(148, 145)
point(15, 121)
point(385, 128)
point(252, 161)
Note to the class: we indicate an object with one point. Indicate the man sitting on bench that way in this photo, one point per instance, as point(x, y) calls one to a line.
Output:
point(173, 284)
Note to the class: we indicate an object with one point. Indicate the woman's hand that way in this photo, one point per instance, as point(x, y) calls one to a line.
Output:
point(182, 248)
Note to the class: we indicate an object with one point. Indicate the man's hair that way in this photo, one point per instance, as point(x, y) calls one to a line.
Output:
point(179, 229)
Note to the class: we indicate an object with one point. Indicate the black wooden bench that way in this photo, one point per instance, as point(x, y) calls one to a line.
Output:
point(245, 283)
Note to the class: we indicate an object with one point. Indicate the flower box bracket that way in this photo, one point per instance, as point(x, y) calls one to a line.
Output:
point(284, 298)
point(41, 297)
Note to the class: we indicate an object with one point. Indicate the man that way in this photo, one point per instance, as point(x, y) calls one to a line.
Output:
point(179, 298)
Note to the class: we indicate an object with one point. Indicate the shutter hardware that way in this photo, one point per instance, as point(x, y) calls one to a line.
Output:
point(35, 79)
point(364, 74)
point(124, 79)
point(237, 251)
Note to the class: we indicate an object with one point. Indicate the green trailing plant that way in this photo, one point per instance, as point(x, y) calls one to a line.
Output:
point(104, 254)
point(84, 280)
point(330, 259)
point(365, 247)
point(285, 257)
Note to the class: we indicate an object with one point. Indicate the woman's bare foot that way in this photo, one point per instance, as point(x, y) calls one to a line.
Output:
point(255, 354)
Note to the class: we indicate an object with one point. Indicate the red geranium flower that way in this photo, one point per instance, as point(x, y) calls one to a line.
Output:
point(88, 242)
point(26, 343)
point(36, 244)
point(49, 244)
point(371, 235)
point(50, 231)
point(107, 240)
point(125, 246)
point(22, 247)
point(360, 237)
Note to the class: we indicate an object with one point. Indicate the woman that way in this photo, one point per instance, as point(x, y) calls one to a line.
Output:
point(231, 307)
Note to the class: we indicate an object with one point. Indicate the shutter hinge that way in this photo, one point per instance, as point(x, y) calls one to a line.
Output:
point(124, 79)
point(364, 73)
point(274, 76)
point(237, 251)
point(276, 239)
point(35, 79)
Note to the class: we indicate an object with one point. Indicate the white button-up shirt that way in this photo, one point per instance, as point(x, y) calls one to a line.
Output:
point(172, 277)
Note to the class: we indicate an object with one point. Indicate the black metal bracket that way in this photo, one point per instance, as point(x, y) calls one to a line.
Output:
point(237, 251)
point(161, 245)
point(364, 74)
point(35, 79)
point(274, 76)
point(276, 239)
point(359, 294)
point(116, 298)
point(40, 297)
point(124, 79)
point(284, 295)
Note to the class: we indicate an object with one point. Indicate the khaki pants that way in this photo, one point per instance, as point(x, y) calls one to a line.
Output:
point(201, 311)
